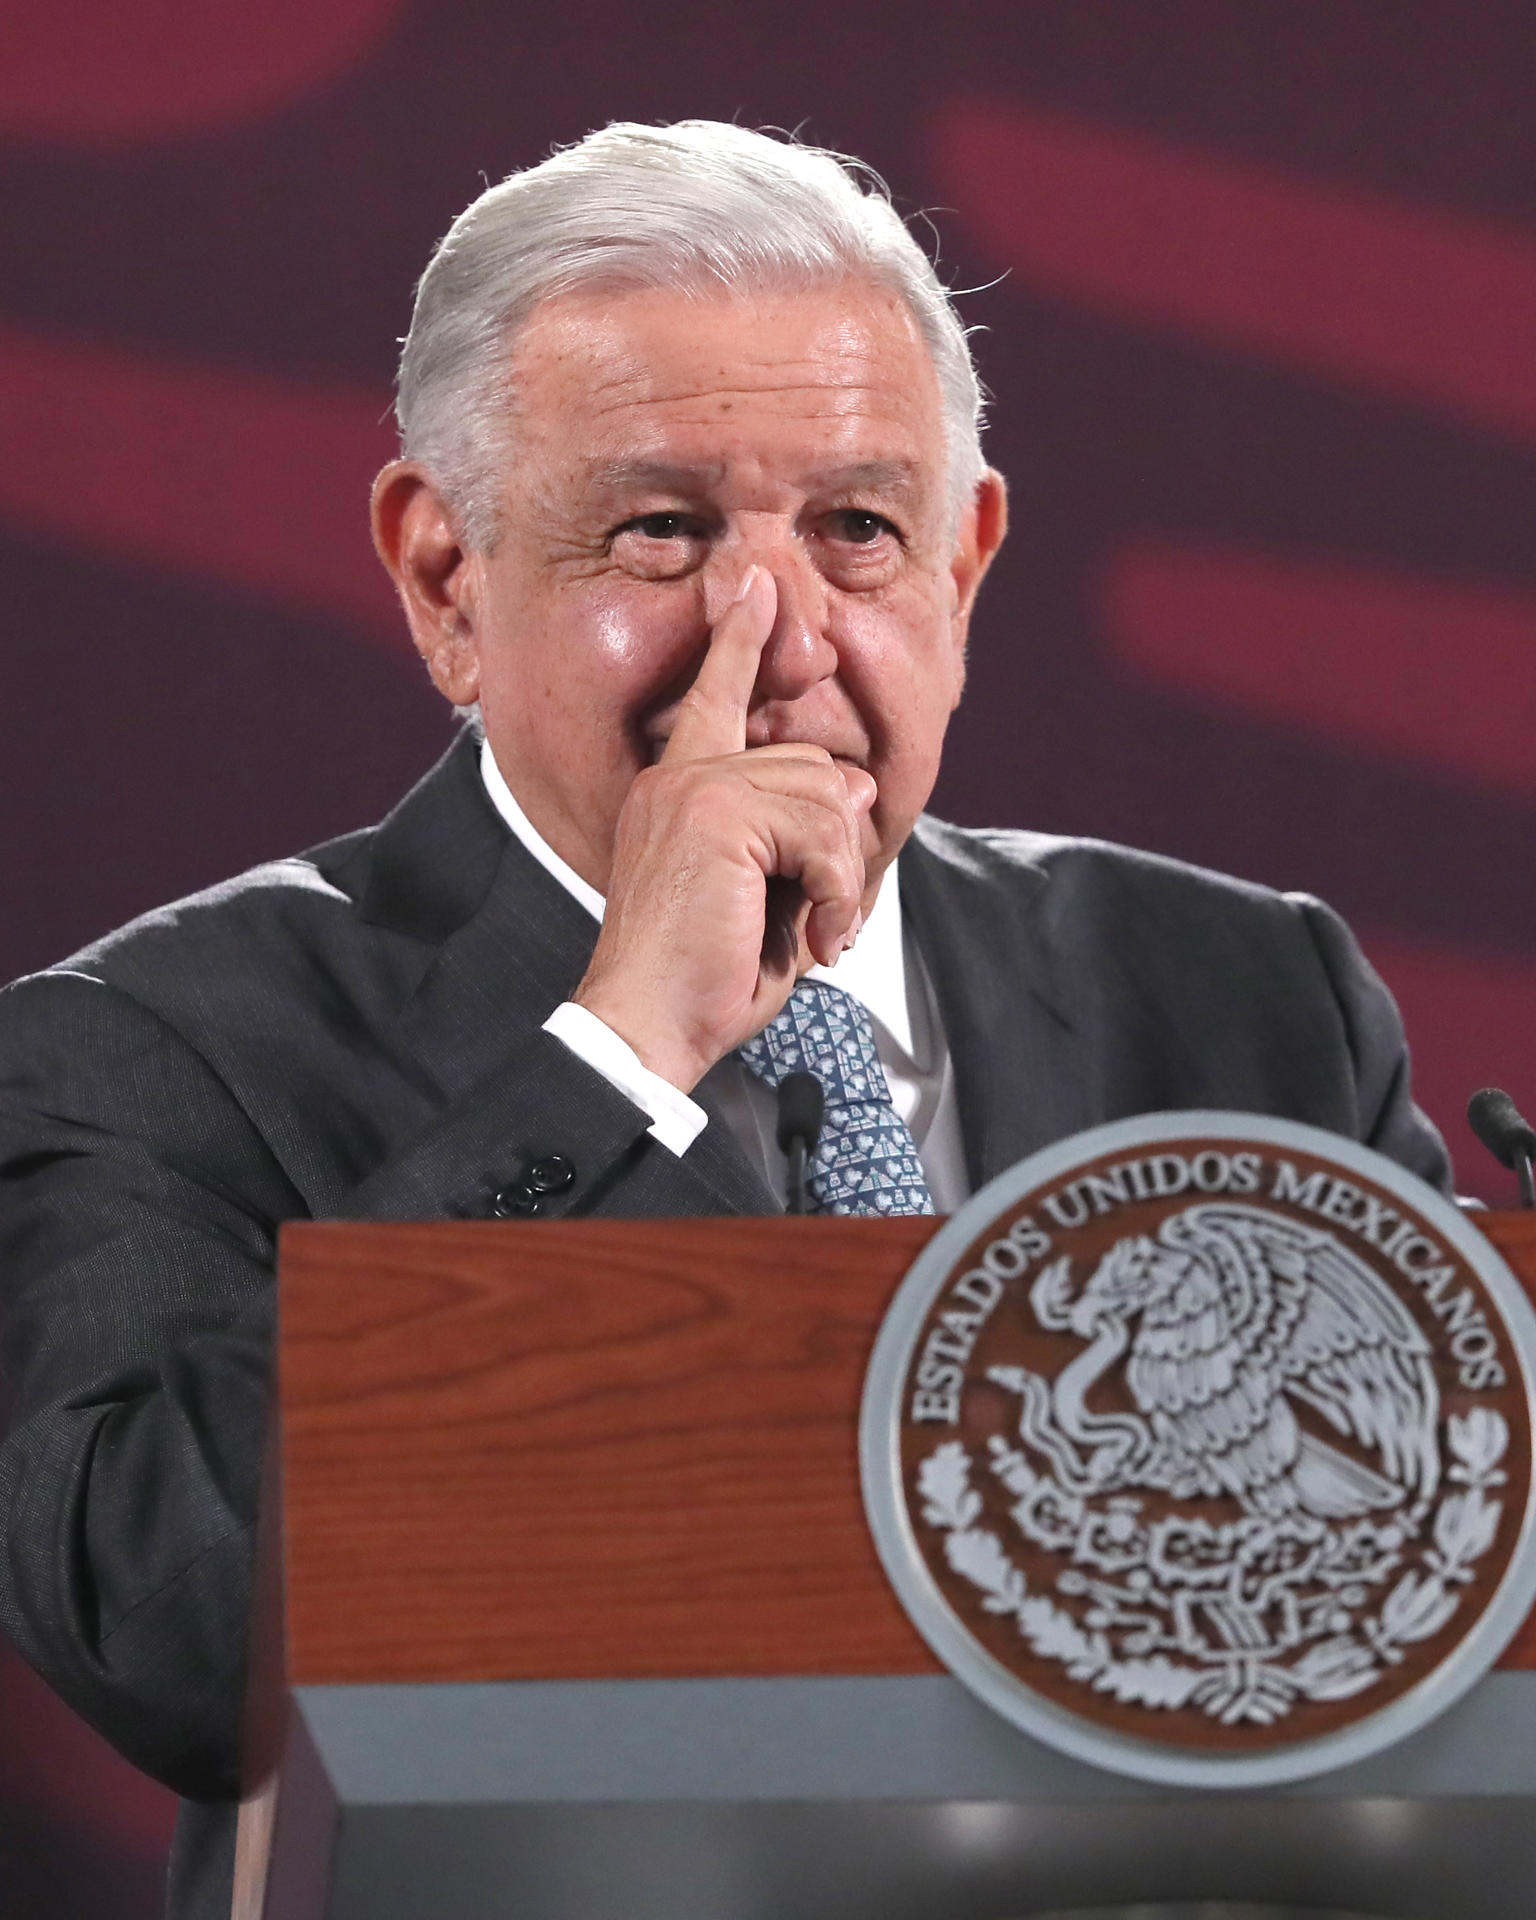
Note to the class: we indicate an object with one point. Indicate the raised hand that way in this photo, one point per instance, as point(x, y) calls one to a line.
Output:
point(734, 868)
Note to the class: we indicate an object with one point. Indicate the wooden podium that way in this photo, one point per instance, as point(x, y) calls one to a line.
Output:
point(575, 1617)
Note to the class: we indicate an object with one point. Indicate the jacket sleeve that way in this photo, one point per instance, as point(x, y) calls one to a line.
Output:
point(139, 1212)
point(138, 1216)
point(1387, 1119)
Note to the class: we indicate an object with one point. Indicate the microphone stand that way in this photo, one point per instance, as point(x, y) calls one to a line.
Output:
point(794, 1198)
point(802, 1105)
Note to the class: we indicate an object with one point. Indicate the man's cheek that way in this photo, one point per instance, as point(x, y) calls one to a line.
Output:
point(645, 635)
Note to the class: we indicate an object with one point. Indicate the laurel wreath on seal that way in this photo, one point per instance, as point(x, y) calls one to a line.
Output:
point(1122, 1644)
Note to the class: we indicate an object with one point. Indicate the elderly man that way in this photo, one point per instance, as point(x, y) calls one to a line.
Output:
point(692, 513)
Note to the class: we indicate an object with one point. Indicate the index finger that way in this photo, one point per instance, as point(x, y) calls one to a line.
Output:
point(712, 715)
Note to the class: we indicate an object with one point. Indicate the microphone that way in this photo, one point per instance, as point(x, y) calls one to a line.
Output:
point(1510, 1138)
point(802, 1103)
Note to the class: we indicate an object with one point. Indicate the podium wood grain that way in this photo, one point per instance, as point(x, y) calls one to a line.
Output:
point(583, 1449)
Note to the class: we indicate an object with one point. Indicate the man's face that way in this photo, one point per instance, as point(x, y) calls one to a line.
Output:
point(662, 445)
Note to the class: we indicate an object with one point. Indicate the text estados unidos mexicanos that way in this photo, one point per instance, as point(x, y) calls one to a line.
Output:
point(970, 1300)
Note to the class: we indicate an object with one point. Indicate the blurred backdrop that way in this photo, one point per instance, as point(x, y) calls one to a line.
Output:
point(1256, 292)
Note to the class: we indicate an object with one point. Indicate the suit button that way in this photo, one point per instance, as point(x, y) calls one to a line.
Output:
point(552, 1173)
point(515, 1203)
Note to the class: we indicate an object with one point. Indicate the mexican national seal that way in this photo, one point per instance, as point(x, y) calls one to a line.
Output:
point(1200, 1447)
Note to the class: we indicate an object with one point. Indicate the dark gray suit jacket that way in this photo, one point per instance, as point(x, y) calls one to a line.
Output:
point(356, 1034)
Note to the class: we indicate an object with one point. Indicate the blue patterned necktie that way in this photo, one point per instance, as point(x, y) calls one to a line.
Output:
point(866, 1160)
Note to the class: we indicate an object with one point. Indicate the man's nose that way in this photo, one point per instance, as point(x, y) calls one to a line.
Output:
point(798, 653)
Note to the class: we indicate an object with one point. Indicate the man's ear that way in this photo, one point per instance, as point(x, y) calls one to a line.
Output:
point(983, 526)
point(436, 577)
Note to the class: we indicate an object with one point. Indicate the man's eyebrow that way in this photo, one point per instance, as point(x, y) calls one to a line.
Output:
point(873, 476)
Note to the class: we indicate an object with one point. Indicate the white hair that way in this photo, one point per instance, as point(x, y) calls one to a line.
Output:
point(699, 207)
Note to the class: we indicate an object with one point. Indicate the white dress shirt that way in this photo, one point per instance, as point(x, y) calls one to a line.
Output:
point(883, 970)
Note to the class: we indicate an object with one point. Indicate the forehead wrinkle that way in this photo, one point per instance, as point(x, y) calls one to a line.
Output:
point(651, 421)
point(641, 395)
point(617, 374)
point(665, 476)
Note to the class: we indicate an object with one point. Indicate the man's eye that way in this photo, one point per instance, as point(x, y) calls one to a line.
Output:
point(659, 526)
point(860, 527)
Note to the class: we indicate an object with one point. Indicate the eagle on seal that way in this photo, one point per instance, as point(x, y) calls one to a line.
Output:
point(1230, 1321)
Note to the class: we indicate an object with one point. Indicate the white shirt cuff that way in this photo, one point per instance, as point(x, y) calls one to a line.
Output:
point(676, 1121)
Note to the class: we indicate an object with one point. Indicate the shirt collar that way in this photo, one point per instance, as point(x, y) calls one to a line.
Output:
point(523, 829)
point(873, 970)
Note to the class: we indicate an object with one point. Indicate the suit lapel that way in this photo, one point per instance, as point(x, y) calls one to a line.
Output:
point(503, 944)
point(979, 914)
point(432, 861)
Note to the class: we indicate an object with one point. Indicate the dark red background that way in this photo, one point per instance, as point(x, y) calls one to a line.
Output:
point(1259, 299)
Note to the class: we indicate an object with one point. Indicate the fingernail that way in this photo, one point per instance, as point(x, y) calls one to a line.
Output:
point(745, 585)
